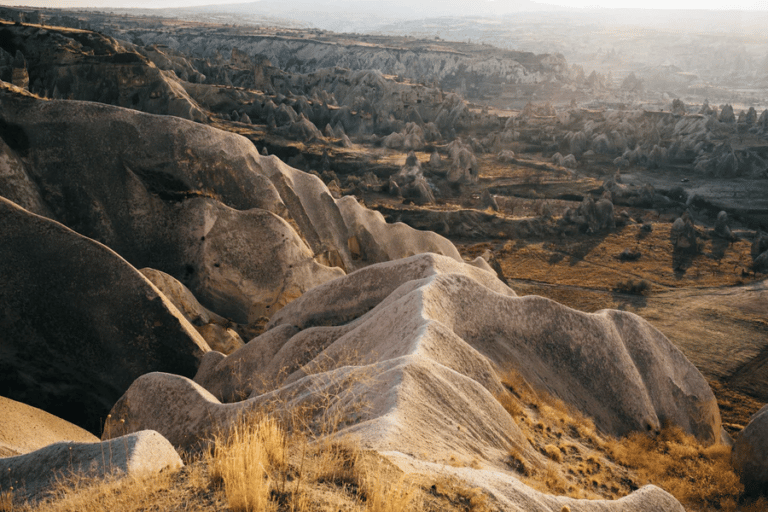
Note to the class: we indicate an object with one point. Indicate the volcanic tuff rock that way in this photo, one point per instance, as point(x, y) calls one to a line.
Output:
point(82, 65)
point(71, 342)
point(24, 429)
point(345, 300)
point(195, 202)
point(749, 453)
point(182, 298)
point(212, 327)
point(16, 183)
point(412, 359)
point(477, 69)
point(137, 454)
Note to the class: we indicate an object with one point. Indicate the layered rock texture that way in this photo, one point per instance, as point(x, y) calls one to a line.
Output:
point(261, 289)
point(72, 341)
point(410, 366)
point(245, 233)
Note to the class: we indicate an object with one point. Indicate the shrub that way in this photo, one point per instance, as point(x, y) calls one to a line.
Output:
point(633, 287)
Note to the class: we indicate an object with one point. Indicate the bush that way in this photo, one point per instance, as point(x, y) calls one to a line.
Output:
point(633, 287)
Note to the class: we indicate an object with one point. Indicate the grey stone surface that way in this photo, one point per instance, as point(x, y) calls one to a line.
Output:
point(71, 341)
point(749, 453)
point(136, 454)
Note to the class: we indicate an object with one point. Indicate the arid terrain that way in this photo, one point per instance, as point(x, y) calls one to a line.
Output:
point(404, 269)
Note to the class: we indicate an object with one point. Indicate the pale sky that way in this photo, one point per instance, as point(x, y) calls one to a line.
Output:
point(646, 4)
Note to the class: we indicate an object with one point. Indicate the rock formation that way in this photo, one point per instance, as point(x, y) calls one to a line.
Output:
point(592, 216)
point(316, 341)
point(188, 196)
point(213, 328)
point(411, 183)
point(137, 454)
point(721, 228)
point(422, 360)
point(749, 453)
point(683, 235)
point(463, 163)
point(759, 252)
point(24, 429)
point(62, 63)
point(71, 341)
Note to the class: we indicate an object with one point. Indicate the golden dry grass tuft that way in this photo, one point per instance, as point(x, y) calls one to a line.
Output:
point(171, 491)
point(583, 463)
point(396, 497)
point(245, 461)
point(6, 500)
point(700, 477)
point(253, 466)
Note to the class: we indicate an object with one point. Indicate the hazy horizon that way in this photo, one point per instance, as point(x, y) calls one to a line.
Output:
point(496, 5)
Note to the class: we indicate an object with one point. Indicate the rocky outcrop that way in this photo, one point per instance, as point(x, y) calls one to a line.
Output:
point(759, 252)
point(347, 299)
point(24, 429)
point(748, 454)
point(410, 182)
point(182, 298)
point(592, 216)
point(683, 235)
point(464, 168)
point(197, 203)
point(16, 183)
point(412, 348)
point(82, 65)
point(71, 341)
point(373, 240)
point(721, 228)
point(612, 366)
point(454, 65)
point(134, 455)
point(171, 210)
point(213, 328)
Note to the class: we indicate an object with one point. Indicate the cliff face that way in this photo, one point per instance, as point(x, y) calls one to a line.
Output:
point(468, 68)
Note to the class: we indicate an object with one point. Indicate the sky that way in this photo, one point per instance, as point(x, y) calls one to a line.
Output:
point(644, 4)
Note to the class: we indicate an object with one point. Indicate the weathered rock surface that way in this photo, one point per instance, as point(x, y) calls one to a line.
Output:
point(346, 299)
point(82, 65)
point(182, 298)
point(24, 429)
point(136, 454)
point(212, 327)
point(15, 182)
point(427, 320)
point(373, 240)
point(749, 452)
point(480, 66)
point(411, 358)
point(198, 203)
point(71, 340)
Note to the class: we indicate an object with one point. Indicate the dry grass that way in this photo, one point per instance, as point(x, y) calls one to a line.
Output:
point(466, 499)
point(584, 463)
point(6, 500)
point(700, 477)
point(381, 497)
point(246, 460)
point(580, 259)
point(255, 465)
point(167, 491)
